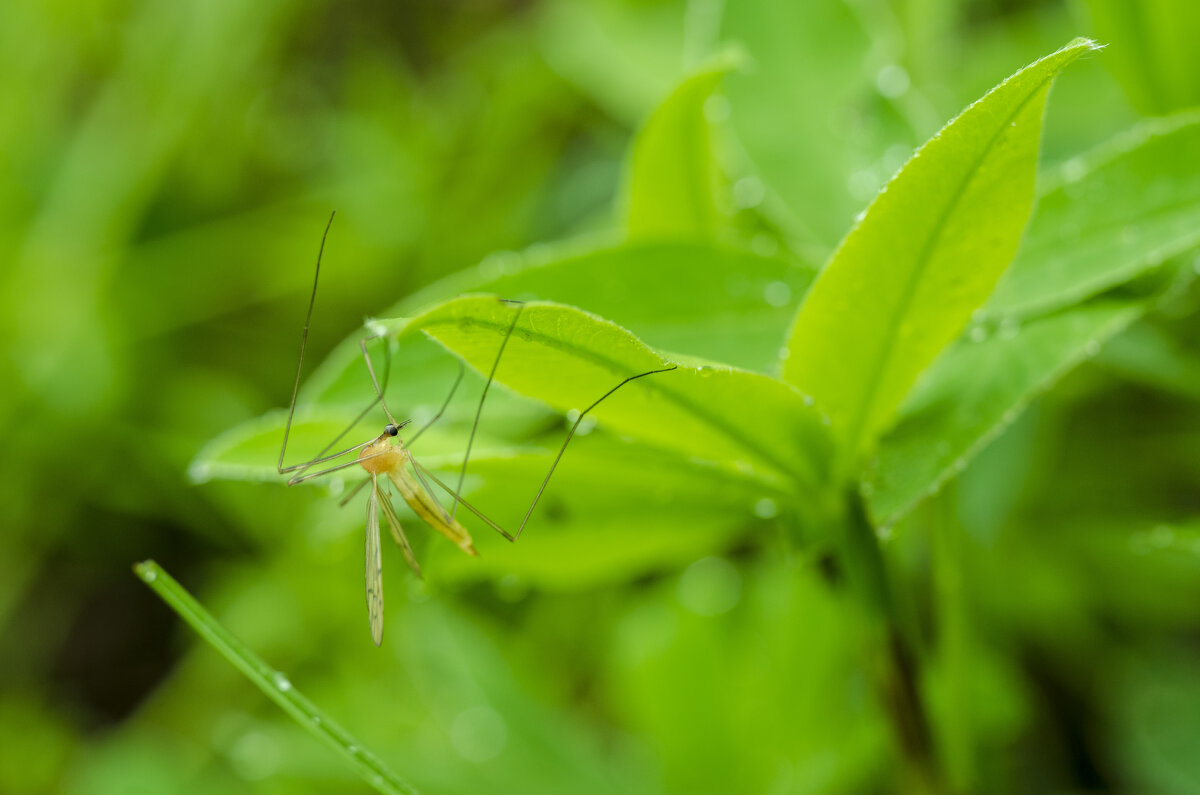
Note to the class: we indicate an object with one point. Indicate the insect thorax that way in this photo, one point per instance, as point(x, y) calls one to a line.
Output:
point(381, 456)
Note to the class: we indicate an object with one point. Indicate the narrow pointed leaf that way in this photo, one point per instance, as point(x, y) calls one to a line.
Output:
point(671, 176)
point(925, 255)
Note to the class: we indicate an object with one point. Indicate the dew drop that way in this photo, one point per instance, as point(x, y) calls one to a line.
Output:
point(149, 575)
point(479, 733)
point(766, 508)
point(960, 465)
point(777, 294)
point(282, 683)
point(1091, 348)
point(716, 109)
point(892, 81)
point(977, 334)
point(1162, 536)
point(748, 192)
point(710, 587)
point(1009, 328)
point(862, 185)
point(1074, 169)
point(764, 245)
point(807, 399)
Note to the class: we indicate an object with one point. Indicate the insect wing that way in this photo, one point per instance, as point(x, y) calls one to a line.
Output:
point(374, 567)
point(389, 513)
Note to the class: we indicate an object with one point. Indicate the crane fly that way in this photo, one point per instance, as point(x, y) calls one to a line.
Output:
point(388, 460)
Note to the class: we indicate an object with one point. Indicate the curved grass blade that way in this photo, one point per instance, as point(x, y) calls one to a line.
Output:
point(273, 683)
point(925, 255)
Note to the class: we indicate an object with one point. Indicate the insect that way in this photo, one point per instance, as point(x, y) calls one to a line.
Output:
point(388, 460)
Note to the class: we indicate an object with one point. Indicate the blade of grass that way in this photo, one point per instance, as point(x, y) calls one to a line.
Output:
point(272, 682)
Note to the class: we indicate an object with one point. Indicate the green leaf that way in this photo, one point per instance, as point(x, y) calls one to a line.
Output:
point(1112, 215)
point(926, 253)
point(568, 358)
point(613, 513)
point(271, 682)
point(974, 392)
point(708, 299)
point(671, 175)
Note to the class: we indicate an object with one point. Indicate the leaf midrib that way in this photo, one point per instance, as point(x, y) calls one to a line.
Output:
point(886, 351)
point(708, 419)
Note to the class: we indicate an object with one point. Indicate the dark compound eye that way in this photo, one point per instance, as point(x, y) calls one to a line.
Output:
point(391, 430)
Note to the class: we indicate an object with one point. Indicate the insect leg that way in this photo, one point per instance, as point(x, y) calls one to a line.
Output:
point(422, 471)
point(442, 410)
point(462, 474)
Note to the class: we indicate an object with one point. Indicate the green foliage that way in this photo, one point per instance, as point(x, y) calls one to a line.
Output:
point(918, 520)
point(274, 684)
point(924, 256)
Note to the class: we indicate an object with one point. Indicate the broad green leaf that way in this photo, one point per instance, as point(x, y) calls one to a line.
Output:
point(612, 513)
point(925, 255)
point(974, 392)
point(1154, 52)
point(708, 299)
point(1113, 214)
point(671, 176)
point(568, 358)
point(718, 302)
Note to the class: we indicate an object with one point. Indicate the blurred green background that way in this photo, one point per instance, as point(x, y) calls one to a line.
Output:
point(168, 170)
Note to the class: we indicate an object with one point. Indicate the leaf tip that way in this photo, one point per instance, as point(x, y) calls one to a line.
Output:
point(1084, 43)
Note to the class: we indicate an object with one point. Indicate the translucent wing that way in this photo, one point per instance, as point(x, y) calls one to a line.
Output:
point(389, 513)
point(374, 566)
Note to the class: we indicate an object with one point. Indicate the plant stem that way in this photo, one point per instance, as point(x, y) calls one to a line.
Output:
point(896, 679)
point(272, 682)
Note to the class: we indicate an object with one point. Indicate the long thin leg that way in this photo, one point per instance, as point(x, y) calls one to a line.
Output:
point(321, 456)
point(309, 476)
point(342, 502)
point(312, 299)
point(462, 474)
point(442, 410)
point(421, 470)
